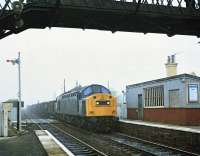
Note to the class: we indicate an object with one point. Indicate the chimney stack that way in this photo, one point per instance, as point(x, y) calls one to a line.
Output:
point(171, 66)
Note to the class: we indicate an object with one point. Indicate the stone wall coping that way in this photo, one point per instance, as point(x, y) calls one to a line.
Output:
point(165, 126)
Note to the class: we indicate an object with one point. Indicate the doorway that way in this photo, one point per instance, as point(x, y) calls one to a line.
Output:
point(140, 107)
point(173, 98)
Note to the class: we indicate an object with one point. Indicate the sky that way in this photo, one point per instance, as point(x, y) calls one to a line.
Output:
point(90, 56)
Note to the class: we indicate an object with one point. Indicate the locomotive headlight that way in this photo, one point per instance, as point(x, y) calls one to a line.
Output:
point(108, 102)
point(97, 102)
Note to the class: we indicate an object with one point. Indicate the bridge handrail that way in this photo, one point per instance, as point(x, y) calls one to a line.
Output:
point(192, 4)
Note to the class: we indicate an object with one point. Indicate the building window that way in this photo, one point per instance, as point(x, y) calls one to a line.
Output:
point(154, 96)
point(193, 93)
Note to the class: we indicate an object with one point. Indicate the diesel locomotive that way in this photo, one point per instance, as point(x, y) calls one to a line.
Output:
point(92, 107)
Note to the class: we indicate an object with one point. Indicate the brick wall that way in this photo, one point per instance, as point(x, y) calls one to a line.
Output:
point(180, 116)
point(132, 113)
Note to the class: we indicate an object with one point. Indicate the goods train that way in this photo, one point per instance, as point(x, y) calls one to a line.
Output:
point(92, 107)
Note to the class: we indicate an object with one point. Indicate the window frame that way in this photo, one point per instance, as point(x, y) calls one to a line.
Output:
point(155, 96)
point(197, 88)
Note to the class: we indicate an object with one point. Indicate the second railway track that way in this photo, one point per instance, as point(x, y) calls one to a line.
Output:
point(146, 148)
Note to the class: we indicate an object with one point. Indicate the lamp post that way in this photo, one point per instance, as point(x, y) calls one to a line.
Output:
point(123, 100)
point(18, 62)
point(122, 108)
point(123, 104)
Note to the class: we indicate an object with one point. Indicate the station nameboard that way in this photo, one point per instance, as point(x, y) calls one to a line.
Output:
point(193, 93)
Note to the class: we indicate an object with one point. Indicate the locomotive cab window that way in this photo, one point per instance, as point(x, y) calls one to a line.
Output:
point(94, 89)
point(105, 90)
point(87, 91)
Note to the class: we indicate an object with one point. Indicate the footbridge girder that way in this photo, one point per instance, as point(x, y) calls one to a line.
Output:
point(148, 16)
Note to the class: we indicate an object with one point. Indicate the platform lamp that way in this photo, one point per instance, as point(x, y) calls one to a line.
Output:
point(18, 62)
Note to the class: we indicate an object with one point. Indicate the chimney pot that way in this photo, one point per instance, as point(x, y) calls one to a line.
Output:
point(171, 66)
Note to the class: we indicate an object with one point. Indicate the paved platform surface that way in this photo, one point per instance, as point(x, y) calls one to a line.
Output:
point(192, 129)
point(21, 145)
point(52, 146)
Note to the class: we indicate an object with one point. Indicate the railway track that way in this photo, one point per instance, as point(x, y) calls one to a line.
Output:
point(146, 147)
point(73, 144)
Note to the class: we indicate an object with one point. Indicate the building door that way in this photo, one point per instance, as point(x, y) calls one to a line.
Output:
point(140, 107)
point(173, 98)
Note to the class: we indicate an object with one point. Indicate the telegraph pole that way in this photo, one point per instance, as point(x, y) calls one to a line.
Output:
point(108, 84)
point(19, 74)
point(64, 85)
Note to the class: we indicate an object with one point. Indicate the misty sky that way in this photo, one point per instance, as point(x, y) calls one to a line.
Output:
point(90, 56)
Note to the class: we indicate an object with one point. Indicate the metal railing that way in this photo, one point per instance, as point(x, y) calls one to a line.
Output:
point(6, 5)
point(193, 4)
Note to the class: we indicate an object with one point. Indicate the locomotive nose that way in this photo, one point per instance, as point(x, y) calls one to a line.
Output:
point(101, 104)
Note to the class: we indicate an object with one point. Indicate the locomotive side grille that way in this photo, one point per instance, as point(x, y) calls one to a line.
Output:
point(83, 107)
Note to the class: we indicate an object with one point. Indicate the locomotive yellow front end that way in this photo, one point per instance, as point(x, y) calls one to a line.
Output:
point(101, 105)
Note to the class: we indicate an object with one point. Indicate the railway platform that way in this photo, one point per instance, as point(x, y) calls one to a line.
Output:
point(192, 129)
point(182, 137)
point(51, 145)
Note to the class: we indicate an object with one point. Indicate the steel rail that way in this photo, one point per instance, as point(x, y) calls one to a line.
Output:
point(77, 139)
point(37, 124)
point(49, 126)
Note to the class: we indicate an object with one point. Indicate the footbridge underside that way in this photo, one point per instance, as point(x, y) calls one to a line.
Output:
point(166, 17)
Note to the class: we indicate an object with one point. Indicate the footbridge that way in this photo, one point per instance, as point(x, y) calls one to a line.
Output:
point(171, 17)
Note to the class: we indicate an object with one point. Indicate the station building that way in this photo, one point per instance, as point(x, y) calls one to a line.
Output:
point(174, 99)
